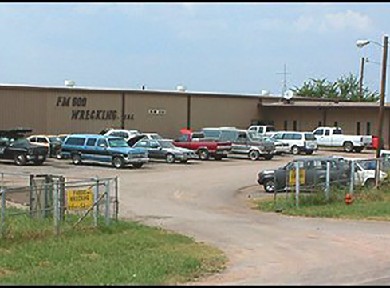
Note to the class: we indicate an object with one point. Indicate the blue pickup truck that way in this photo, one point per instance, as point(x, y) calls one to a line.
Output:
point(102, 149)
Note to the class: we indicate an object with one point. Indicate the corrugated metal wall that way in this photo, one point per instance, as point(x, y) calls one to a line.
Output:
point(68, 110)
point(59, 111)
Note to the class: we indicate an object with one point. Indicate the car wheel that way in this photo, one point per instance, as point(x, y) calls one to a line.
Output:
point(359, 149)
point(170, 158)
point(117, 162)
point(39, 162)
point(269, 185)
point(204, 154)
point(20, 159)
point(254, 155)
point(348, 147)
point(76, 159)
point(138, 165)
point(295, 150)
point(370, 183)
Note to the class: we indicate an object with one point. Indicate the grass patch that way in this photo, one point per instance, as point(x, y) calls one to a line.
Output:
point(125, 253)
point(368, 204)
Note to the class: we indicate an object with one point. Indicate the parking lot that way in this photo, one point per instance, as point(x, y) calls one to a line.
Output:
point(210, 201)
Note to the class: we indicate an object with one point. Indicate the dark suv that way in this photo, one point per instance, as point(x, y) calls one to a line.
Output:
point(314, 173)
point(14, 146)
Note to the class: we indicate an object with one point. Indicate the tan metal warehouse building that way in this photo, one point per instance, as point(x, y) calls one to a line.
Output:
point(56, 110)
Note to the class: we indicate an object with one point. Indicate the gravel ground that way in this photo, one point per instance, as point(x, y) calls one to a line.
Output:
point(211, 201)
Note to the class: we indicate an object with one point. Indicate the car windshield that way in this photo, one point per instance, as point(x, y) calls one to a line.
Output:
point(253, 136)
point(155, 136)
point(309, 136)
point(167, 144)
point(20, 141)
point(211, 133)
point(268, 139)
point(368, 164)
point(54, 139)
point(277, 136)
point(117, 142)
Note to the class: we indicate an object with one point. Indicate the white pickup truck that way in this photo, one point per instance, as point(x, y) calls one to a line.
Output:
point(334, 137)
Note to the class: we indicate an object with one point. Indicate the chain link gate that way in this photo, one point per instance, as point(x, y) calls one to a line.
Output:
point(63, 203)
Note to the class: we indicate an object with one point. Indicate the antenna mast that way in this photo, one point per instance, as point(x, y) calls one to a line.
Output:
point(284, 88)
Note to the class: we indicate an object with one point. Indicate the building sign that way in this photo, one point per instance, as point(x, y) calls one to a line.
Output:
point(93, 114)
point(292, 177)
point(88, 114)
point(157, 111)
point(80, 199)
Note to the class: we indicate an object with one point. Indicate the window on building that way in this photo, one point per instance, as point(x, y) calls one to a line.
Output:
point(335, 124)
point(368, 128)
point(319, 123)
point(285, 125)
point(295, 125)
point(357, 128)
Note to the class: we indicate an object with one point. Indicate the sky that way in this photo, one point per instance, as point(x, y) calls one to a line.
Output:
point(237, 48)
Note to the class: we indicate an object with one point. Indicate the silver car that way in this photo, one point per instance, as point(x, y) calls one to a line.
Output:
point(164, 149)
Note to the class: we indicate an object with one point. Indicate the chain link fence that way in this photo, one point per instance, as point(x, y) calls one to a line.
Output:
point(32, 205)
point(321, 181)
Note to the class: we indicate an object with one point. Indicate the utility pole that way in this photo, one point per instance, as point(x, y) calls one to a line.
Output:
point(382, 93)
point(284, 79)
point(361, 78)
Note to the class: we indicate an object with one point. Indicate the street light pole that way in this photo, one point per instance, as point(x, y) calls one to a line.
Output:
point(361, 79)
point(382, 93)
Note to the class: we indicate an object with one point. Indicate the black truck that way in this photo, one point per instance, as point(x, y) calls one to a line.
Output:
point(14, 146)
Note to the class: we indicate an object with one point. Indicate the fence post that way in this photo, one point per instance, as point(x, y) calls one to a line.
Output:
point(352, 177)
point(377, 173)
point(327, 181)
point(95, 200)
point(31, 195)
point(46, 195)
point(107, 203)
point(61, 180)
point(116, 199)
point(56, 210)
point(3, 204)
point(297, 182)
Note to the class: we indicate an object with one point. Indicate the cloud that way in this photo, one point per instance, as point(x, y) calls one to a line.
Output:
point(342, 21)
point(304, 23)
point(346, 20)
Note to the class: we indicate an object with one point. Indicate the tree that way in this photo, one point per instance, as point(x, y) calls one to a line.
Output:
point(344, 88)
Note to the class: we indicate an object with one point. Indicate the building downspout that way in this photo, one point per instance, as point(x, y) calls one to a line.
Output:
point(324, 116)
point(188, 111)
point(123, 111)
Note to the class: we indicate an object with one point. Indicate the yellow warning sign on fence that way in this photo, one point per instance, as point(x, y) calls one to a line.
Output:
point(80, 199)
point(302, 176)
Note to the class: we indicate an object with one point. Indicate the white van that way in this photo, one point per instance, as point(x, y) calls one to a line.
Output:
point(297, 141)
point(262, 129)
